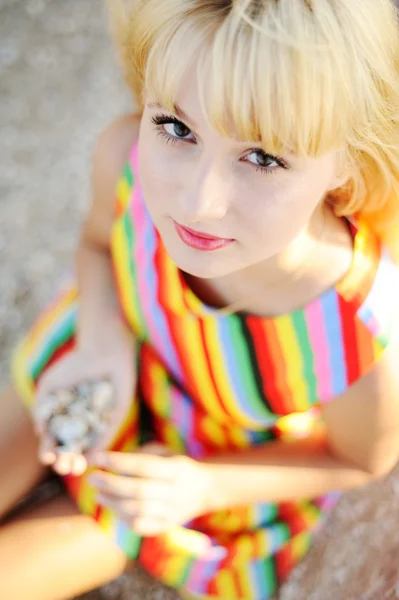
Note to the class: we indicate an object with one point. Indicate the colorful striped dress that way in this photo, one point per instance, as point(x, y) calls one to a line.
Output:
point(213, 382)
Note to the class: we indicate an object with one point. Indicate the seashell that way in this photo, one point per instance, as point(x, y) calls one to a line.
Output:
point(67, 429)
point(90, 440)
point(77, 417)
point(103, 396)
point(107, 417)
point(101, 428)
point(79, 409)
point(84, 391)
point(85, 445)
point(93, 419)
point(77, 447)
point(65, 397)
point(47, 408)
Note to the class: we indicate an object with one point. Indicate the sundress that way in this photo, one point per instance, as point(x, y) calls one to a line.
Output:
point(213, 382)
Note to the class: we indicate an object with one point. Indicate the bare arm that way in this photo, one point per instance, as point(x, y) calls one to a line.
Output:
point(98, 302)
point(362, 444)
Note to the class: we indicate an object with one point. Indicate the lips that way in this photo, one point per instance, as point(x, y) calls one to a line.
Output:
point(200, 241)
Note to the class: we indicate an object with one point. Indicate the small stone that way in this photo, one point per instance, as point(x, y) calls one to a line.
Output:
point(76, 447)
point(65, 397)
point(90, 439)
point(95, 421)
point(67, 429)
point(103, 395)
point(85, 445)
point(47, 408)
point(80, 409)
point(101, 428)
point(83, 391)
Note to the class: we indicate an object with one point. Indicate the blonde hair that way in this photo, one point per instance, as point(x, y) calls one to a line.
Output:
point(308, 75)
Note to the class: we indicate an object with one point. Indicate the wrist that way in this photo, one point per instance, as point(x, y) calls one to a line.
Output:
point(213, 497)
point(102, 329)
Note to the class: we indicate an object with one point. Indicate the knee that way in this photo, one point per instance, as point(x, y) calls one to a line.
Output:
point(20, 469)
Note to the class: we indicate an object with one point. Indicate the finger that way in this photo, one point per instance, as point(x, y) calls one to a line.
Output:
point(78, 465)
point(127, 507)
point(136, 464)
point(128, 487)
point(155, 449)
point(149, 527)
point(47, 453)
point(63, 463)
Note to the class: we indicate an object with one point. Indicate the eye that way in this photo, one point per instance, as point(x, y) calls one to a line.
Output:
point(172, 127)
point(263, 160)
point(177, 129)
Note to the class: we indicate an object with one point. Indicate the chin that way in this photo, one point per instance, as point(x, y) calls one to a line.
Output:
point(205, 265)
point(204, 268)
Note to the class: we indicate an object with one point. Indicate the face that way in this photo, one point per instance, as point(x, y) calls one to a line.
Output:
point(223, 204)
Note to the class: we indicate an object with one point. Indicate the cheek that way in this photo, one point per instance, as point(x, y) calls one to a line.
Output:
point(159, 156)
point(159, 169)
point(277, 210)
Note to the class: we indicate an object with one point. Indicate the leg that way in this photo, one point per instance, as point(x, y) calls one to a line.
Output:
point(53, 553)
point(20, 469)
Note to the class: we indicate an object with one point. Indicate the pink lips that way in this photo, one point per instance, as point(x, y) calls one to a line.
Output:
point(200, 241)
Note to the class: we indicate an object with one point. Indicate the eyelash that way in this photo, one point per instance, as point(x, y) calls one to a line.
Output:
point(159, 120)
point(163, 119)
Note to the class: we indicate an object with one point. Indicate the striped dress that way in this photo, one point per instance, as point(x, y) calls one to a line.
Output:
point(213, 382)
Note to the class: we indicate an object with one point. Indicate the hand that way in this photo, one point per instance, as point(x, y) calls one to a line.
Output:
point(113, 359)
point(152, 490)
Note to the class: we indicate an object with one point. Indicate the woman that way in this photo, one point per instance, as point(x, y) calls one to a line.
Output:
point(240, 295)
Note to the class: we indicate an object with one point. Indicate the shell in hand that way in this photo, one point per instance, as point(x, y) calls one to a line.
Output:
point(65, 398)
point(67, 429)
point(47, 408)
point(102, 397)
point(76, 417)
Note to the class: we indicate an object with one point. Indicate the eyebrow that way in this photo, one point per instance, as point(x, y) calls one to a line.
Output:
point(177, 110)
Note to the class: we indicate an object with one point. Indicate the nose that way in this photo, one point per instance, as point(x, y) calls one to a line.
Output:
point(206, 195)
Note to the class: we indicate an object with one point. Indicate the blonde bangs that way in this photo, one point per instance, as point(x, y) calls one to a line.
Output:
point(280, 87)
point(303, 75)
point(269, 77)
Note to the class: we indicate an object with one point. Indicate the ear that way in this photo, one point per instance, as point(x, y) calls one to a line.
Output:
point(339, 181)
point(342, 172)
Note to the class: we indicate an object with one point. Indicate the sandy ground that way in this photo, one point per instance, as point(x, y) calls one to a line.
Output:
point(59, 86)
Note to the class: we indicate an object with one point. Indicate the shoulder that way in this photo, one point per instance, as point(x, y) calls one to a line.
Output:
point(363, 423)
point(112, 151)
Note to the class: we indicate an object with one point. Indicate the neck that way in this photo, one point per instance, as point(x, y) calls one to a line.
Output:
point(295, 276)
